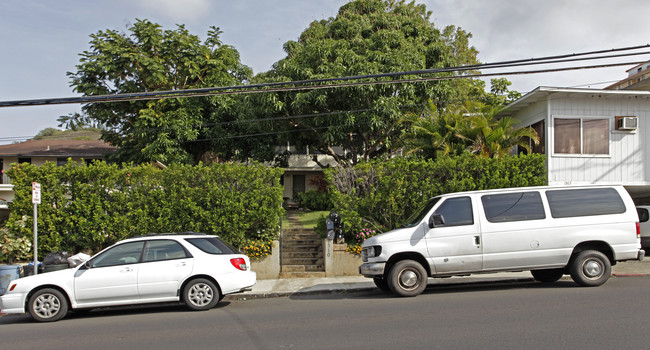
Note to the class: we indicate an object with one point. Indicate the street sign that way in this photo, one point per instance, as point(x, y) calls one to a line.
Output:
point(36, 193)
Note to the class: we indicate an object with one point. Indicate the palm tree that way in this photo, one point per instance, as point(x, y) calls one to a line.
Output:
point(490, 137)
point(472, 127)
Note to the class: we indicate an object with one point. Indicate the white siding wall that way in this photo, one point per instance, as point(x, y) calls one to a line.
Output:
point(629, 158)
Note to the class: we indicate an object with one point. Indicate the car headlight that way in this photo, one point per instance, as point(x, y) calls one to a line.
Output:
point(370, 252)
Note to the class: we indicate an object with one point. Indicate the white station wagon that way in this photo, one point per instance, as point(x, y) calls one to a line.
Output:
point(194, 268)
point(551, 231)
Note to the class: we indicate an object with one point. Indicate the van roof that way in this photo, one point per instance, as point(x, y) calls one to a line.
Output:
point(516, 189)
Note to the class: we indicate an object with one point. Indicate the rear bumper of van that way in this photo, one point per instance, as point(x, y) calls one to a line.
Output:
point(640, 255)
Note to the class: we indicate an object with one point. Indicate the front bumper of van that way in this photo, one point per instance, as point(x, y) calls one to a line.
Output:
point(372, 269)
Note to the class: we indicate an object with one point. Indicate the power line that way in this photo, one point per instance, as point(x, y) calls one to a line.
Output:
point(303, 84)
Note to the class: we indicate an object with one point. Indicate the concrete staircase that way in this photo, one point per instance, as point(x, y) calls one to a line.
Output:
point(302, 254)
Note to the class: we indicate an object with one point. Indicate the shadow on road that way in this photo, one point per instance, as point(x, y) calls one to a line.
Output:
point(433, 288)
point(113, 312)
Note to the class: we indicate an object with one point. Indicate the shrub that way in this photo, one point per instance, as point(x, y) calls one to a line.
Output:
point(92, 206)
point(382, 194)
point(314, 200)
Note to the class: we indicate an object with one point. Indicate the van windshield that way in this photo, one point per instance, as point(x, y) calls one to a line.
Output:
point(419, 214)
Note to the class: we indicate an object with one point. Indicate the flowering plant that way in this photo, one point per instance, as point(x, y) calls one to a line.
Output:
point(364, 234)
point(258, 249)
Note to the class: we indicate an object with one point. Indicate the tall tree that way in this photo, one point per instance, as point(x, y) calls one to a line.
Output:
point(178, 130)
point(366, 37)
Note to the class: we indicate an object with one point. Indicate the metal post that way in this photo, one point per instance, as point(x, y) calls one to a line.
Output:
point(35, 239)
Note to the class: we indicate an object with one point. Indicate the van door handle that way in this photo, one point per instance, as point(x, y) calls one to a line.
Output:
point(477, 240)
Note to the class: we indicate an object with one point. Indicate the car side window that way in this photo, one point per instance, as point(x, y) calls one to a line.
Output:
point(517, 206)
point(163, 250)
point(643, 214)
point(456, 212)
point(127, 253)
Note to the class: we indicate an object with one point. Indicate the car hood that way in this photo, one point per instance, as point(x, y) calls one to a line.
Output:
point(399, 234)
point(54, 277)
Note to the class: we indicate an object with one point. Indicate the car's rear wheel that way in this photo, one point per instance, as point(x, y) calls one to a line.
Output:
point(590, 268)
point(47, 305)
point(548, 275)
point(201, 294)
point(407, 278)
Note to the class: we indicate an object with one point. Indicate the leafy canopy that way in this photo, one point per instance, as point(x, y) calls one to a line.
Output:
point(178, 130)
point(366, 37)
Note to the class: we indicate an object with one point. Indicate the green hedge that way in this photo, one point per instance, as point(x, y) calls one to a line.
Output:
point(381, 194)
point(88, 207)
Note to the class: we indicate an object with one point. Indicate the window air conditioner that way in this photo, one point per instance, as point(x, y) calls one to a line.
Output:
point(627, 123)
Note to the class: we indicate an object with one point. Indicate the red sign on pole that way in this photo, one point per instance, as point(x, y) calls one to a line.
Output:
point(36, 193)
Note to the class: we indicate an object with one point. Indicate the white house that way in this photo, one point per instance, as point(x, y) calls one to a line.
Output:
point(591, 136)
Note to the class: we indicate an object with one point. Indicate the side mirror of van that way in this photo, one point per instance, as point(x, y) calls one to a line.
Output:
point(436, 220)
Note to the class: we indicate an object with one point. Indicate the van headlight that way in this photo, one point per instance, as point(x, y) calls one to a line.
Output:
point(370, 252)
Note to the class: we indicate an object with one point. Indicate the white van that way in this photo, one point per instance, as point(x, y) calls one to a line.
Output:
point(551, 231)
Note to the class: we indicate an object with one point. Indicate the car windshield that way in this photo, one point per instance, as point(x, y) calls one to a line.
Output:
point(419, 214)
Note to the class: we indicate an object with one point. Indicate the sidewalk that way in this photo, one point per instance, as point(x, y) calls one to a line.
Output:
point(302, 286)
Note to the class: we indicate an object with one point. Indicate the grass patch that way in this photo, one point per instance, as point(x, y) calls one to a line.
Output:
point(307, 219)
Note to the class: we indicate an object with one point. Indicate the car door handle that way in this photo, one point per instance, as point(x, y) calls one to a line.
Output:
point(126, 269)
point(477, 240)
point(181, 264)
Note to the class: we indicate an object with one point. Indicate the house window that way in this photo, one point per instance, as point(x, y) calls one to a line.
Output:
point(581, 136)
point(61, 161)
point(24, 160)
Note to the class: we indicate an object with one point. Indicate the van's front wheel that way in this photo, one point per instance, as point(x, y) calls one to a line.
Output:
point(407, 278)
point(590, 268)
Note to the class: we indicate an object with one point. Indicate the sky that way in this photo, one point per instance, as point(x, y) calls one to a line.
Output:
point(40, 40)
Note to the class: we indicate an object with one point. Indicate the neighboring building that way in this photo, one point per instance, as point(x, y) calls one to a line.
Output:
point(591, 136)
point(638, 78)
point(38, 152)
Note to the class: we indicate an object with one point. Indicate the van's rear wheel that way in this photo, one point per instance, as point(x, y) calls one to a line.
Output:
point(590, 268)
point(548, 275)
point(407, 278)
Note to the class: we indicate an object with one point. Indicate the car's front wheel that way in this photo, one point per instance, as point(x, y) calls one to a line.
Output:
point(201, 294)
point(47, 305)
point(407, 278)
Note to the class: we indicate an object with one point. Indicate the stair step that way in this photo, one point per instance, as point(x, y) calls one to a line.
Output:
point(302, 268)
point(312, 274)
point(302, 261)
point(302, 254)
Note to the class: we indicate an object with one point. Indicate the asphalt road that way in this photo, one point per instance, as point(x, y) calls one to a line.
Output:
point(485, 316)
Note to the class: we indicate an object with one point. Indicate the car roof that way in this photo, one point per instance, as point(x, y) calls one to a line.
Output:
point(532, 188)
point(150, 236)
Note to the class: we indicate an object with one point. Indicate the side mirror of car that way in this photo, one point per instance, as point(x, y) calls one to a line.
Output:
point(436, 220)
point(87, 265)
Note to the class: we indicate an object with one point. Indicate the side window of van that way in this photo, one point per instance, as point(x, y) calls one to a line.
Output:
point(516, 206)
point(644, 216)
point(583, 202)
point(456, 212)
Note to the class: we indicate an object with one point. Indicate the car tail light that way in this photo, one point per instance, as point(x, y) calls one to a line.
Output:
point(239, 264)
point(638, 230)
